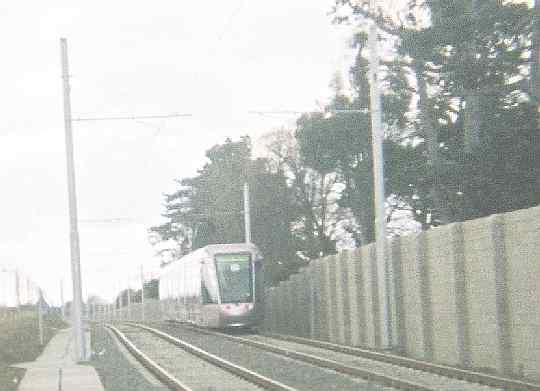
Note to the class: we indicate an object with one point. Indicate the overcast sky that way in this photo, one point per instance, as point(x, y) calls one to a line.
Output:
point(215, 60)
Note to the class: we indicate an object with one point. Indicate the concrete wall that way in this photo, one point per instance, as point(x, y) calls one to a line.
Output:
point(522, 241)
point(466, 294)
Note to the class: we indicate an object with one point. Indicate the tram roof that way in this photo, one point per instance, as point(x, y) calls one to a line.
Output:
point(213, 249)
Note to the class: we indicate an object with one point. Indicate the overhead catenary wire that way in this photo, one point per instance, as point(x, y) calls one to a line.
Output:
point(132, 117)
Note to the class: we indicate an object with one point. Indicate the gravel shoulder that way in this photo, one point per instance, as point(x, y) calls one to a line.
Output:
point(117, 369)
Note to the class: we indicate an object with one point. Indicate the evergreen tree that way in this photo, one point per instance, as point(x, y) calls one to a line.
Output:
point(477, 110)
point(208, 208)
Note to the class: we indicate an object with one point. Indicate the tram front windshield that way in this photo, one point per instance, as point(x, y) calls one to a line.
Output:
point(234, 274)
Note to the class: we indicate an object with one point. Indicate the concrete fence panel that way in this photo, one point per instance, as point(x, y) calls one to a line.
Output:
point(296, 290)
point(398, 308)
point(343, 277)
point(457, 238)
point(278, 309)
point(316, 318)
point(357, 299)
point(522, 239)
point(287, 321)
point(481, 293)
point(465, 294)
point(443, 295)
point(332, 298)
point(369, 262)
point(271, 314)
point(304, 293)
point(412, 298)
point(326, 301)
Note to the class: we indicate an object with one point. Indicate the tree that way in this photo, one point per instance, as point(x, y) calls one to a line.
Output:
point(339, 141)
point(476, 109)
point(311, 192)
point(208, 208)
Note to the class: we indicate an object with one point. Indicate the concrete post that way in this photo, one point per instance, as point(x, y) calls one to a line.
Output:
point(425, 294)
point(338, 293)
point(315, 319)
point(358, 299)
point(305, 285)
point(462, 315)
point(334, 310)
point(398, 307)
point(326, 303)
point(501, 291)
point(343, 277)
point(374, 294)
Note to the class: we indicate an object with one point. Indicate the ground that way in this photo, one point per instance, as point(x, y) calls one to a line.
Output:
point(19, 342)
point(116, 372)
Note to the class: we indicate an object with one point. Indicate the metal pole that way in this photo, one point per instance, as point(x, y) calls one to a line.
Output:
point(120, 300)
point(62, 308)
point(80, 345)
point(128, 301)
point(247, 215)
point(40, 318)
point(378, 178)
point(142, 295)
point(18, 289)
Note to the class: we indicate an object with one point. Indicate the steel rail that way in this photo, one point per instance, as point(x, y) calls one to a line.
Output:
point(253, 377)
point(369, 375)
point(164, 376)
point(448, 371)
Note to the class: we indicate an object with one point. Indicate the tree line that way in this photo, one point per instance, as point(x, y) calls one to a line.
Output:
point(460, 86)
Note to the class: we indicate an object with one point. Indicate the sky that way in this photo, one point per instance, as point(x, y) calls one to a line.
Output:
point(214, 60)
point(217, 61)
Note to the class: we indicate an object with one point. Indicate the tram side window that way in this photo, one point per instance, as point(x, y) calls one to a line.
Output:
point(205, 296)
point(208, 292)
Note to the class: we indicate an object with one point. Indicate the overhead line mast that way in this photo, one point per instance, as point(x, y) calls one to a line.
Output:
point(80, 345)
point(377, 132)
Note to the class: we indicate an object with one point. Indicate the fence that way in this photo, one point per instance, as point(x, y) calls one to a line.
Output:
point(16, 290)
point(465, 294)
point(133, 312)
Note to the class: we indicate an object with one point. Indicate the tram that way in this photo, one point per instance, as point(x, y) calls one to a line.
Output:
point(217, 286)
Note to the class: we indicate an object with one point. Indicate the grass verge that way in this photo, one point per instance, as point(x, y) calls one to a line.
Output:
point(19, 342)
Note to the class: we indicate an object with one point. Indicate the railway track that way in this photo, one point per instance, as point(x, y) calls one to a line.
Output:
point(292, 374)
point(453, 372)
point(188, 368)
point(383, 368)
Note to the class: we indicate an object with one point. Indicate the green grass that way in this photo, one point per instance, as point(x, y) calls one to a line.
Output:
point(19, 342)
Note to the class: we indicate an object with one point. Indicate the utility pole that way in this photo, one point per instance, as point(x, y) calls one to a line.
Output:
point(40, 317)
point(80, 345)
point(18, 289)
point(62, 308)
point(142, 294)
point(247, 215)
point(128, 301)
point(378, 179)
point(120, 300)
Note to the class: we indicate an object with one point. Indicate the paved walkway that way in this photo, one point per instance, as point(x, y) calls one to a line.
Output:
point(56, 369)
